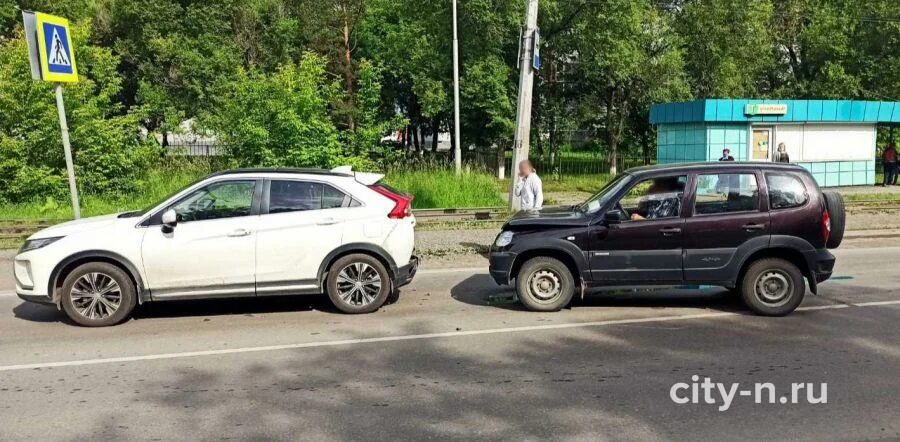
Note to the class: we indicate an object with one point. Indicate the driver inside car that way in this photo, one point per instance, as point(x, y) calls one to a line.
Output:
point(662, 200)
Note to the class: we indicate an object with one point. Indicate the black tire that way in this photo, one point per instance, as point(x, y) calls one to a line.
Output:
point(545, 272)
point(769, 300)
point(365, 298)
point(110, 283)
point(834, 203)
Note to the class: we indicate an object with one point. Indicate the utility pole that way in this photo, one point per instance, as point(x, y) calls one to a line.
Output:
point(457, 150)
point(523, 115)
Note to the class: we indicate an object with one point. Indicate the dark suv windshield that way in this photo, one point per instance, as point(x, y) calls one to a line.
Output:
point(594, 203)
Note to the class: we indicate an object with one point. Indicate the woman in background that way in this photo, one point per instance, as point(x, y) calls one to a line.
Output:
point(781, 156)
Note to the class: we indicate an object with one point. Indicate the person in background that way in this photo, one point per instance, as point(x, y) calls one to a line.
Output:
point(889, 160)
point(726, 155)
point(781, 156)
point(530, 190)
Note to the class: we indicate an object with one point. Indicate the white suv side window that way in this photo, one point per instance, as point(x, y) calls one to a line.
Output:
point(227, 199)
point(298, 196)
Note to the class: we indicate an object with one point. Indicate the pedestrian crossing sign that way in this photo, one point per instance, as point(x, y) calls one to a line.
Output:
point(55, 49)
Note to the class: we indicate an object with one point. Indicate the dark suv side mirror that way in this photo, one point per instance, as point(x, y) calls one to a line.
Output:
point(612, 217)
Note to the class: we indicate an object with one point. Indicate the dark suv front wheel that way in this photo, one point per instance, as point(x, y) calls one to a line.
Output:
point(545, 284)
point(773, 287)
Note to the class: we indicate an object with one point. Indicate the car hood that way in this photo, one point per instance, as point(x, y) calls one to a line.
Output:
point(80, 225)
point(550, 217)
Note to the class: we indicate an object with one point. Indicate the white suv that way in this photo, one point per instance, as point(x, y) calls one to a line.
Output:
point(251, 232)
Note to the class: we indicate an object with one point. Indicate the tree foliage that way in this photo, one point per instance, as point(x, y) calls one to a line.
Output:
point(320, 82)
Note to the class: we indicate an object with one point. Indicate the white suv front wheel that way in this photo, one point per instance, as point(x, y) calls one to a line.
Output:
point(97, 294)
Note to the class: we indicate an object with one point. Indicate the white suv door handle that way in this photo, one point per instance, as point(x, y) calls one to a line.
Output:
point(239, 232)
point(327, 222)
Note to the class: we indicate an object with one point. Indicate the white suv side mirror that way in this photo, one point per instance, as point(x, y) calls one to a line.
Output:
point(169, 219)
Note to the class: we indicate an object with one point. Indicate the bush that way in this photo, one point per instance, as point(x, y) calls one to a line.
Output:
point(441, 188)
point(279, 119)
point(108, 150)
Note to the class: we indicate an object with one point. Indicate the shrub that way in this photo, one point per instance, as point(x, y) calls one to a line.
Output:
point(108, 150)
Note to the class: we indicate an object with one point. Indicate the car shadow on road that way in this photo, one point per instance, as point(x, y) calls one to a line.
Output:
point(481, 290)
point(206, 307)
point(234, 306)
point(30, 311)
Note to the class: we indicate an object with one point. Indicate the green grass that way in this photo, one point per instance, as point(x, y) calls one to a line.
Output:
point(439, 188)
point(571, 183)
point(159, 183)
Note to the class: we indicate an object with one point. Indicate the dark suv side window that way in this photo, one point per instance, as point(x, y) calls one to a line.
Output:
point(726, 193)
point(654, 198)
point(298, 196)
point(786, 191)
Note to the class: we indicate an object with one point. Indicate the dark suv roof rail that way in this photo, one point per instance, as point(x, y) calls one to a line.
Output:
point(715, 165)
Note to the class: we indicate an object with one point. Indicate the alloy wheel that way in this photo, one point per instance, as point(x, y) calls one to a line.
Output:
point(96, 295)
point(358, 284)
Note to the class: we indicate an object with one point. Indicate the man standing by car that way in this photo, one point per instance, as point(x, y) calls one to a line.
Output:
point(726, 155)
point(889, 159)
point(530, 189)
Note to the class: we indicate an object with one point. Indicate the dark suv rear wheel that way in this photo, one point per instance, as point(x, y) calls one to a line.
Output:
point(545, 284)
point(773, 287)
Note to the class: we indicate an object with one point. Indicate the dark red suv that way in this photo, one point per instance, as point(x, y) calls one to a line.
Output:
point(762, 229)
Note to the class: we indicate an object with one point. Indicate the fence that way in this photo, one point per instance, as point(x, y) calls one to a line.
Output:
point(202, 149)
point(563, 163)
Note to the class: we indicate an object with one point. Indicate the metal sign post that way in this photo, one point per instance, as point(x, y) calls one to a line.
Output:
point(67, 148)
point(52, 59)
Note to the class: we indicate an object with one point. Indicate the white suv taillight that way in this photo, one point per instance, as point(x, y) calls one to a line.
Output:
point(402, 203)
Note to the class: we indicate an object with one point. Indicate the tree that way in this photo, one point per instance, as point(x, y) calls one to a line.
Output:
point(108, 150)
point(727, 47)
point(278, 119)
point(624, 58)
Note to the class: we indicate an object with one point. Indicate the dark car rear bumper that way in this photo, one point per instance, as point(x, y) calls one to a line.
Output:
point(821, 264)
point(405, 274)
point(500, 266)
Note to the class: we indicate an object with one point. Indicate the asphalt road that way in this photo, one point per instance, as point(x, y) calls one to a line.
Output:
point(457, 358)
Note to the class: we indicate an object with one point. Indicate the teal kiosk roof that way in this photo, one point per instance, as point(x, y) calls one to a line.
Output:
point(773, 111)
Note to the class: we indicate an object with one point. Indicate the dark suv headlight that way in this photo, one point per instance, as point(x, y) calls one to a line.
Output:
point(34, 244)
point(504, 239)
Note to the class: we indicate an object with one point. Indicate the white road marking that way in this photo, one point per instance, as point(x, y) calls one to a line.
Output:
point(6, 294)
point(452, 334)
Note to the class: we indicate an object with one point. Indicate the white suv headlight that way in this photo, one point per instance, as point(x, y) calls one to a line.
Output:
point(33, 244)
point(503, 239)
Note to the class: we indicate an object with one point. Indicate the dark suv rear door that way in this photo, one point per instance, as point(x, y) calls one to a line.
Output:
point(728, 214)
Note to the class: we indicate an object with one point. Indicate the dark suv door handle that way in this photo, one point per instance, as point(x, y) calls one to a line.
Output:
point(752, 227)
point(669, 231)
